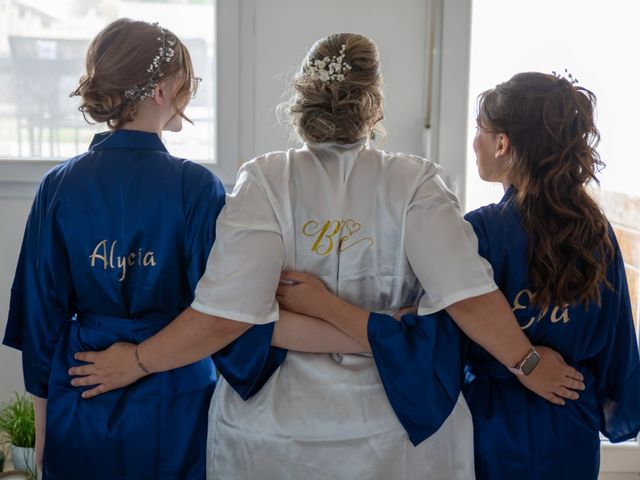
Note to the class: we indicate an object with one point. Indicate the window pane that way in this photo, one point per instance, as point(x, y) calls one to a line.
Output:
point(42, 50)
point(595, 41)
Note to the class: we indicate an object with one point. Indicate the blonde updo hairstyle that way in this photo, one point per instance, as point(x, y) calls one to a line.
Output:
point(342, 111)
point(117, 60)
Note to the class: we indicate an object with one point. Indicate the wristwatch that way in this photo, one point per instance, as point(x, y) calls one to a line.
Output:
point(528, 364)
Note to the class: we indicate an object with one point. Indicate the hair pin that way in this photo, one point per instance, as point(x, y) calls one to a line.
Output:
point(329, 68)
point(165, 55)
point(565, 76)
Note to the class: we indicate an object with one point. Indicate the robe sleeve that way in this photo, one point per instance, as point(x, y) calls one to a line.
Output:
point(204, 198)
point(442, 249)
point(249, 361)
point(247, 257)
point(42, 291)
point(617, 364)
point(421, 358)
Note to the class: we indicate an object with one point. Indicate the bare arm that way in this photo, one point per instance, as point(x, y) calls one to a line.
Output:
point(487, 319)
point(40, 410)
point(308, 334)
point(193, 335)
point(190, 337)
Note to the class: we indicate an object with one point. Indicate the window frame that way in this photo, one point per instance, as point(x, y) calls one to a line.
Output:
point(233, 103)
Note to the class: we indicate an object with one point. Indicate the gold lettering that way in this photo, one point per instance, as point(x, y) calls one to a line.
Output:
point(113, 247)
point(324, 248)
point(95, 255)
point(122, 263)
point(342, 247)
point(555, 315)
point(313, 224)
point(564, 316)
point(113, 260)
point(325, 233)
point(149, 259)
point(519, 306)
point(543, 313)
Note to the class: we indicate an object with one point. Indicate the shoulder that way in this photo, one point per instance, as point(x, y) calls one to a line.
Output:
point(271, 168)
point(268, 161)
point(60, 176)
point(193, 172)
point(416, 178)
point(407, 164)
point(503, 212)
point(486, 214)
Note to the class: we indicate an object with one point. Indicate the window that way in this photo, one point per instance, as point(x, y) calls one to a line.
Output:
point(588, 38)
point(580, 36)
point(42, 50)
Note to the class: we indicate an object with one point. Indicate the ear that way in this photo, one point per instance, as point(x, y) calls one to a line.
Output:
point(161, 92)
point(503, 145)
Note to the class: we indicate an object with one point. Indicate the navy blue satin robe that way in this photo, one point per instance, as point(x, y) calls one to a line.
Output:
point(115, 243)
point(517, 433)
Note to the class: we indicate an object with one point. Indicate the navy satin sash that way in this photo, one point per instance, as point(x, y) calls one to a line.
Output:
point(133, 330)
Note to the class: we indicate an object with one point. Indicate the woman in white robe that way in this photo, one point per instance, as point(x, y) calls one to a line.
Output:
point(382, 231)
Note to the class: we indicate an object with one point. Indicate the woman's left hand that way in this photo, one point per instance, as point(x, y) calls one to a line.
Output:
point(115, 367)
point(302, 293)
point(553, 379)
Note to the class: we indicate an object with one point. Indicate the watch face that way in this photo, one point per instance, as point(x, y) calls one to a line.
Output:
point(530, 363)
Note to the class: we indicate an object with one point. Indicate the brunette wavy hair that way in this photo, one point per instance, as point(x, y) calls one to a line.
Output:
point(117, 60)
point(553, 137)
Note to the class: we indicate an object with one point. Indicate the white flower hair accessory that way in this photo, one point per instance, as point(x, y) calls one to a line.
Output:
point(329, 69)
point(165, 55)
point(565, 76)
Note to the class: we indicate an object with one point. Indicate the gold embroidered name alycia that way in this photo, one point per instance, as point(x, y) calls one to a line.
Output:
point(105, 254)
point(522, 302)
point(334, 235)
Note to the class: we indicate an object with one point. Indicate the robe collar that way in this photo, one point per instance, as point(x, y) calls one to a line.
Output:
point(127, 139)
point(508, 195)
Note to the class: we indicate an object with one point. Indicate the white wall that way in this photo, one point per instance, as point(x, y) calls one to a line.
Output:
point(13, 214)
point(284, 29)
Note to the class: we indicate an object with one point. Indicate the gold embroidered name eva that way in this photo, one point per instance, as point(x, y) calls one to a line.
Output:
point(326, 232)
point(557, 313)
point(110, 260)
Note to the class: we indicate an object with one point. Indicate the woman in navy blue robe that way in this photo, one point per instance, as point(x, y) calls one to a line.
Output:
point(115, 243)
point(556, 259)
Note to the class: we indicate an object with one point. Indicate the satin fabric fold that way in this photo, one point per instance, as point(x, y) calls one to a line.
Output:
point(248, 363)
point(420, 361)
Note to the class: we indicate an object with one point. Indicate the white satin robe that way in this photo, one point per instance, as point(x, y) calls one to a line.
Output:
point(376, 228)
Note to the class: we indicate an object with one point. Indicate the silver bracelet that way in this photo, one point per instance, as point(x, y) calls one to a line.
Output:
point(140, 364)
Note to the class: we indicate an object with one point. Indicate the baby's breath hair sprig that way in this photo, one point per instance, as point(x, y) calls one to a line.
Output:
point(328, 69)
point(565, 76)
point(165, 55)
